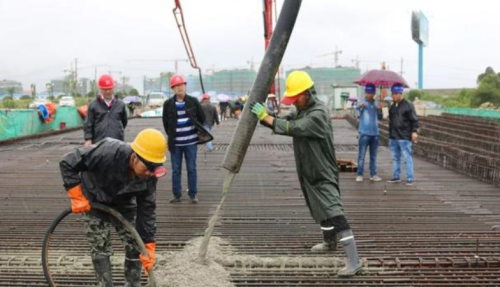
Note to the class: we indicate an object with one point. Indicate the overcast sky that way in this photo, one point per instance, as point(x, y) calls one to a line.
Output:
point(41, 38)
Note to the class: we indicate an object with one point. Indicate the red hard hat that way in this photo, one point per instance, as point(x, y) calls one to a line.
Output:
point(205, 97)
point(106, 82)
point(177, 80)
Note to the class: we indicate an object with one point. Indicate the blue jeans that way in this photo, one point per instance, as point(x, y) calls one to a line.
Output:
point(189, 152)
point(209, 144)
point(372, 142)
point(399, 147)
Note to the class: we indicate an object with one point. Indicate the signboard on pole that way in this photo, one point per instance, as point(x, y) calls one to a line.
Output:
point(420, 28)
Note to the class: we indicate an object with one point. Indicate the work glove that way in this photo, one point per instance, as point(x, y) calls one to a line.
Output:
point(148, 261)
point(259, 110)
point(79, 202)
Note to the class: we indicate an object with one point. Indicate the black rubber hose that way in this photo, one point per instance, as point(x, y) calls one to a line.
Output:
point(260, 88)
point(129, 227)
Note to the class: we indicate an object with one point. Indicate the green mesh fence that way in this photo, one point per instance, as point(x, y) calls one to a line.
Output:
point(17, 123)
point(474, 112)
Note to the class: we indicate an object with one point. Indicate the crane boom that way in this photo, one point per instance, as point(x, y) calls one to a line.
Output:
point(179, 18)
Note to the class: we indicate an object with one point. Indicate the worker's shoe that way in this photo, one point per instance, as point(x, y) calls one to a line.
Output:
point(329, 242)
point(353, 264)
point(175, 199)
point(133, 269)
point(102, 268)
point(359, 178)
point(375, 178)
point(193, 199)
point(394, 180)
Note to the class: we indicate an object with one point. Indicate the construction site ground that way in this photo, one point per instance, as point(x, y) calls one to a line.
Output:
point(442, 231)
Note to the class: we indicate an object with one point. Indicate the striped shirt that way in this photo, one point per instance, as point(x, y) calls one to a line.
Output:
point(185, 132)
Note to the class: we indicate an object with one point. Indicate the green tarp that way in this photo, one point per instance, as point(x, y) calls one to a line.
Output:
point(474, 112)
point(17, 123)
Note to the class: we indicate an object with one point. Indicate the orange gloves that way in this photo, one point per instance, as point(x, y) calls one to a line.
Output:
point(79, 202)
point(149, 262)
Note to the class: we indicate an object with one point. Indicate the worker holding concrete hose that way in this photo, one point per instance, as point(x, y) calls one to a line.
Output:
point(311, 129)
point(122, 176)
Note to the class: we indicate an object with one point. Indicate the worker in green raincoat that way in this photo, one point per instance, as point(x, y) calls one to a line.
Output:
point(311, 129)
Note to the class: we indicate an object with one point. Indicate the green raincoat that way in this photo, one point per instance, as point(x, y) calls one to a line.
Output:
point(317, 168)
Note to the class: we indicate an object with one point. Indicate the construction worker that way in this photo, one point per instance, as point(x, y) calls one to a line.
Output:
point(403, 130)
point(211, 117)
point(317, 169)
point(122, 176)
point(182, 119)
point(370, 112)
point(106, 115)
point(272, 106)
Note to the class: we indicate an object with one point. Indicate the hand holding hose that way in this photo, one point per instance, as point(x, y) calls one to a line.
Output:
point(148, 261)
point(79, 202)
point(259, 110)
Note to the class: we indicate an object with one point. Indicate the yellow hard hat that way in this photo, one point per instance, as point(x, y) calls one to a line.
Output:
point(244, 98)
point(296, 83)
point(151, 145)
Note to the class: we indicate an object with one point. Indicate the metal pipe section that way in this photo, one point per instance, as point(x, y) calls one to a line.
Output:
point(260, 88)
point(113, 213)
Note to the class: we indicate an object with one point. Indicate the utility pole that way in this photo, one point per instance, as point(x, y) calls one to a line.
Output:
point(76, 76)
point(123, 84)
point(401, 73)
point(356, 62)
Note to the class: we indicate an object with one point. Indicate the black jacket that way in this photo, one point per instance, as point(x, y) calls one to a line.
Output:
point(194, 112)
point(403, 121)
point(102, 122)
point(211, 116)
point(103, 171)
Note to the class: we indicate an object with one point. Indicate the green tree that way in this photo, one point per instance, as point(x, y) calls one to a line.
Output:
point(488, 91)
point(488, 71)
point(119, 95)
point(25, 97)
point(413, 94)
point(133, 92)
point(8, 103)
point(90, 94)
point(11, 91)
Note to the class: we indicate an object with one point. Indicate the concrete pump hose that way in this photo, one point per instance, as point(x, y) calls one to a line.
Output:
point(96, 206)
point(260, 88)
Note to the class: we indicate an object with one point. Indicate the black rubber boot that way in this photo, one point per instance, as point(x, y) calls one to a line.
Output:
point(133, 269)
point(329, 242)
point(102, 268)
point(353, 265)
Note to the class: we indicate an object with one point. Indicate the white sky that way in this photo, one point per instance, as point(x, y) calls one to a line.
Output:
point(39, 39)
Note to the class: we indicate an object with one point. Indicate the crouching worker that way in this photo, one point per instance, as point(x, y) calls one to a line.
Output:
point(317, 169)
point(122, 176)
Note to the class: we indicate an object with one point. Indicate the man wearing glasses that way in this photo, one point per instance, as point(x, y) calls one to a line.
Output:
point(122, 176)
point(403, 130)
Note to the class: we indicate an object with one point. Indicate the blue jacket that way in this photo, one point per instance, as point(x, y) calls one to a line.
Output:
point(369, 116)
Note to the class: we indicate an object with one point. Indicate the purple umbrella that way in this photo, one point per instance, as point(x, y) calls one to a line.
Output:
point(223, 98)
point(381, 78)
point(131, 99)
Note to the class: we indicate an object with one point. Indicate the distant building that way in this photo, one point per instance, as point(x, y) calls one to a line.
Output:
point(236, 82)
point(60, 86)
point(5, 85)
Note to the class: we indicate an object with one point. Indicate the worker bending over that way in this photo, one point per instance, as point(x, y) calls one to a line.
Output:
point(122, 176)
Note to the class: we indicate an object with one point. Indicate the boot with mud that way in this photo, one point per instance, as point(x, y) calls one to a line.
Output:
point(133, 269)
point(102, 268)
point(353, 265)
point(329, 241)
